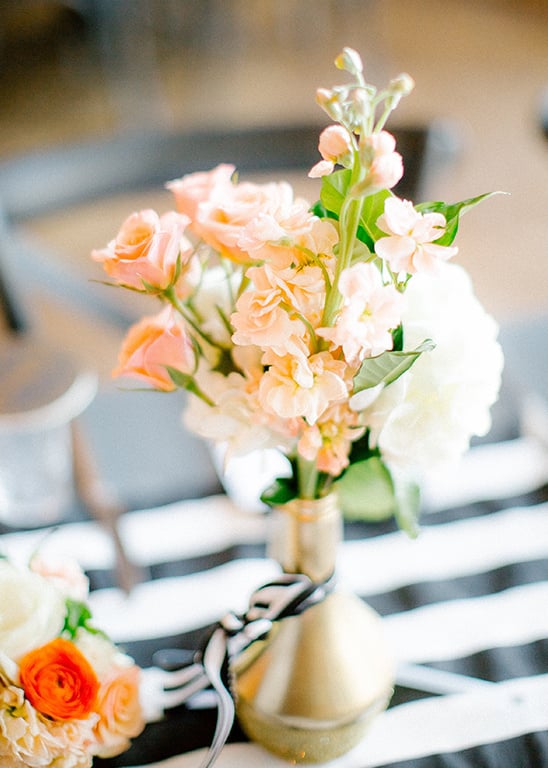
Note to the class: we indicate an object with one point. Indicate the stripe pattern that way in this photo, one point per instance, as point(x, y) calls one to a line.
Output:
point(470, 595)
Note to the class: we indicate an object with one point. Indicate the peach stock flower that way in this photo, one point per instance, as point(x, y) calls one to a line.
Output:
point(146, 250)
point(120, 714)
point(328, 441)
point(59, 681)
point(370, 311)
point(409, 246)
point(386, 167)
point(152, 344)
point(295, 386)
point(335, 145)
point(261, 320)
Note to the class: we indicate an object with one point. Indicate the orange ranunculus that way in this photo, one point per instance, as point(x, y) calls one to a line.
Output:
point(59, 681)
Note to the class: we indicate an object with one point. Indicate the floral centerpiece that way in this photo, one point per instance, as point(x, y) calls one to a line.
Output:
point(67, 693)
point(336, 333)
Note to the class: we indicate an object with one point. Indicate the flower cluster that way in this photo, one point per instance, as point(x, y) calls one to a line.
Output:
point(66, 692)
point(335, 333)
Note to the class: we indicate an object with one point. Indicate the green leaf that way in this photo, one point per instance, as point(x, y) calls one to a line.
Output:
point(78, 616)
point(366, 491)
point(188, 382)
point(225, 362)
point(334, 189)
point(452, 213)
point(397, 338)
point(372, 208)
point(408, 507)
point(180, 379)
point(319, 210)
point(388, 366)
point(332, 196)
point(282, 490)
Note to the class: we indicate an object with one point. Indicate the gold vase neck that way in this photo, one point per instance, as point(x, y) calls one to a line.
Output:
point(306, 535)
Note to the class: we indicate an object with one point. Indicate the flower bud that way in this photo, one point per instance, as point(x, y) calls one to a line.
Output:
point(402, 85)
point(350, 61)
point(329, 102)
point(334, 143)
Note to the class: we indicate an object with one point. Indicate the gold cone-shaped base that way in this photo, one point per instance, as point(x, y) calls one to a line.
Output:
point(309, 690)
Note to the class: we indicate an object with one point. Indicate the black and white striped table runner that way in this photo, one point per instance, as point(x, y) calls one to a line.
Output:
point(470, 595)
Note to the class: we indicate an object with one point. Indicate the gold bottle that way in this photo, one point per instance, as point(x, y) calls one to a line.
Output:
point(309, 690)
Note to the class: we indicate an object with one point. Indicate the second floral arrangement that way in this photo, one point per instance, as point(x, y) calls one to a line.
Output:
point(337, 333)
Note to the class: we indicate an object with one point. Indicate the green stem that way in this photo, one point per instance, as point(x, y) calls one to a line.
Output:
point(349, 220)
point(173, 299)
point(307, 477)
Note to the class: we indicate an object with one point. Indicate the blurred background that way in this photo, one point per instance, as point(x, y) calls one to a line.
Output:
point(89, 69)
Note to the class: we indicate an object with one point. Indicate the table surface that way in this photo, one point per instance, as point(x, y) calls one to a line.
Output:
point(468, 596)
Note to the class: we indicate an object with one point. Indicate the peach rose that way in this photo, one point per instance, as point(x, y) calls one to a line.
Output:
point(152, 344)
point(195, 188)
point(223, 222)
point(119, 708)
point(59, 681)
point(146, 250)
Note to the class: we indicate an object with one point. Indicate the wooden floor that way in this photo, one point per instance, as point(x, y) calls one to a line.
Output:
point(481, 71)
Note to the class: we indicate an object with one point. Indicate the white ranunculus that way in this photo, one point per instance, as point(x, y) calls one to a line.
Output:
point(32, 611)
point(423, 422)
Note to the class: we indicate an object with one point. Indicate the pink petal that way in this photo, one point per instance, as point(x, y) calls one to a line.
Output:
point(323, 168)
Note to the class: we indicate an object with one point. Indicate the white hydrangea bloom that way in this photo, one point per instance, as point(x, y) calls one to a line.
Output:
point(423, 422)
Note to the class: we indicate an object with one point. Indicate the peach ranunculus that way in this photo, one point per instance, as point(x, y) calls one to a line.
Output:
point(146, 251)
point(409, 246)
point(152, 344)
point(59, 681)
point(119, 708)
point(370, 311)
point(295, 386)
point(335, 145)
